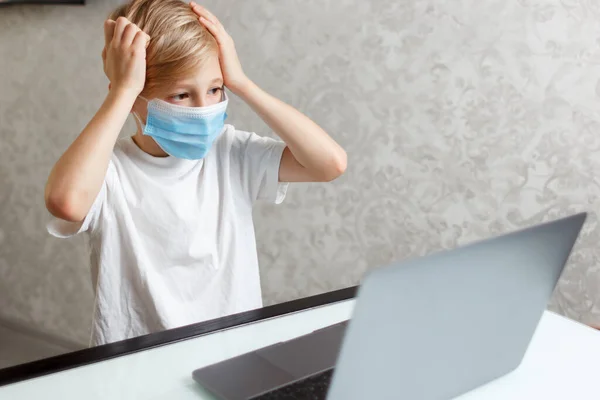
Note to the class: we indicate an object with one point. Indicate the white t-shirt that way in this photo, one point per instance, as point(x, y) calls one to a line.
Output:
point(172, 241)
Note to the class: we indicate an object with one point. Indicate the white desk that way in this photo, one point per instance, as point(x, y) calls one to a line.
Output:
point(563, 362)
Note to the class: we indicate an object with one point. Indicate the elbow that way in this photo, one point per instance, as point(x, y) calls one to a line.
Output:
point(336, 167)
point(64, 206)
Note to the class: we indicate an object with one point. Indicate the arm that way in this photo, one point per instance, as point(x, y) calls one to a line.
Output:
point(311, 154)
point(77, 176)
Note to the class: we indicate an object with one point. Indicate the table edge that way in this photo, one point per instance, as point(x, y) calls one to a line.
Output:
point(105, 352)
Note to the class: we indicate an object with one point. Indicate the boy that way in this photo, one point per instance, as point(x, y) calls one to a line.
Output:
point(169, 210)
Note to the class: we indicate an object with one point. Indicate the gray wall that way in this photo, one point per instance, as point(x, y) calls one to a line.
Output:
point(462, 119)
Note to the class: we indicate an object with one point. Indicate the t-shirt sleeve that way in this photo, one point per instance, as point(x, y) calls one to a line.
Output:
point(65, 229)
point(260, 161)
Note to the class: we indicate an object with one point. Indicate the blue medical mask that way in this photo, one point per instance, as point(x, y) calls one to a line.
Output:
point(184, 132)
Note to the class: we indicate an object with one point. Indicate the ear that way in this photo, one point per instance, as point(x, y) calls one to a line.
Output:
point(109, 85)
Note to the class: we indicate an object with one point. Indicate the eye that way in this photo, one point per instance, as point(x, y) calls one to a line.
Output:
point(180, 96)
point(215, 91)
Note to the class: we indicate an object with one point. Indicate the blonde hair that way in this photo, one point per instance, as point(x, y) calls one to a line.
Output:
point(178, 42)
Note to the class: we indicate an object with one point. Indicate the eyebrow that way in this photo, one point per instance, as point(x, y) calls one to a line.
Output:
point(189, 86)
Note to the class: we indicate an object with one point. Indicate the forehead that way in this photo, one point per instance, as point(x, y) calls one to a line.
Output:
point(207, 73)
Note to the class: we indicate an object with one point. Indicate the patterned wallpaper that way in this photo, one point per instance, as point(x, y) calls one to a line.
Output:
point(462, 119)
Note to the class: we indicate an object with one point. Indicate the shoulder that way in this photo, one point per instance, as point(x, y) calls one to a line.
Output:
point(122, 148)
point(234, 142)
point(232, 137)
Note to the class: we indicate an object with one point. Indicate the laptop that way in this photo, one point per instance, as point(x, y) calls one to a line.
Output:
point(430, 328)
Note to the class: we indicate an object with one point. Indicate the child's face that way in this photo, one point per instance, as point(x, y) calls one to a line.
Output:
point(204, 87)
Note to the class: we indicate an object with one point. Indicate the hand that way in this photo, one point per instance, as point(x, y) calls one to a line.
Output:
point(124, 55)
point(233, 75)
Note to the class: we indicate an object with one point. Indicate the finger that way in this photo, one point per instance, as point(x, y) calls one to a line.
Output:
point(147, 39)
point(211, 27)
point(140, 41)
point(120, 26)
point(207, 14)
point(109, 30)
point(128, 34)
point(201, 13)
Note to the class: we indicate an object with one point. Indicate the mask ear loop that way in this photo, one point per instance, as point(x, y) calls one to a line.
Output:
point(137, 117)
point(139, 120)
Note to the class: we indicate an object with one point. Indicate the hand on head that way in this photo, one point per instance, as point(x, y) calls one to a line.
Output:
point(124, 55)
point(233, 74)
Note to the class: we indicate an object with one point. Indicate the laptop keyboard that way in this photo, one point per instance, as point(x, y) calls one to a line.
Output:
point(312, 388)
